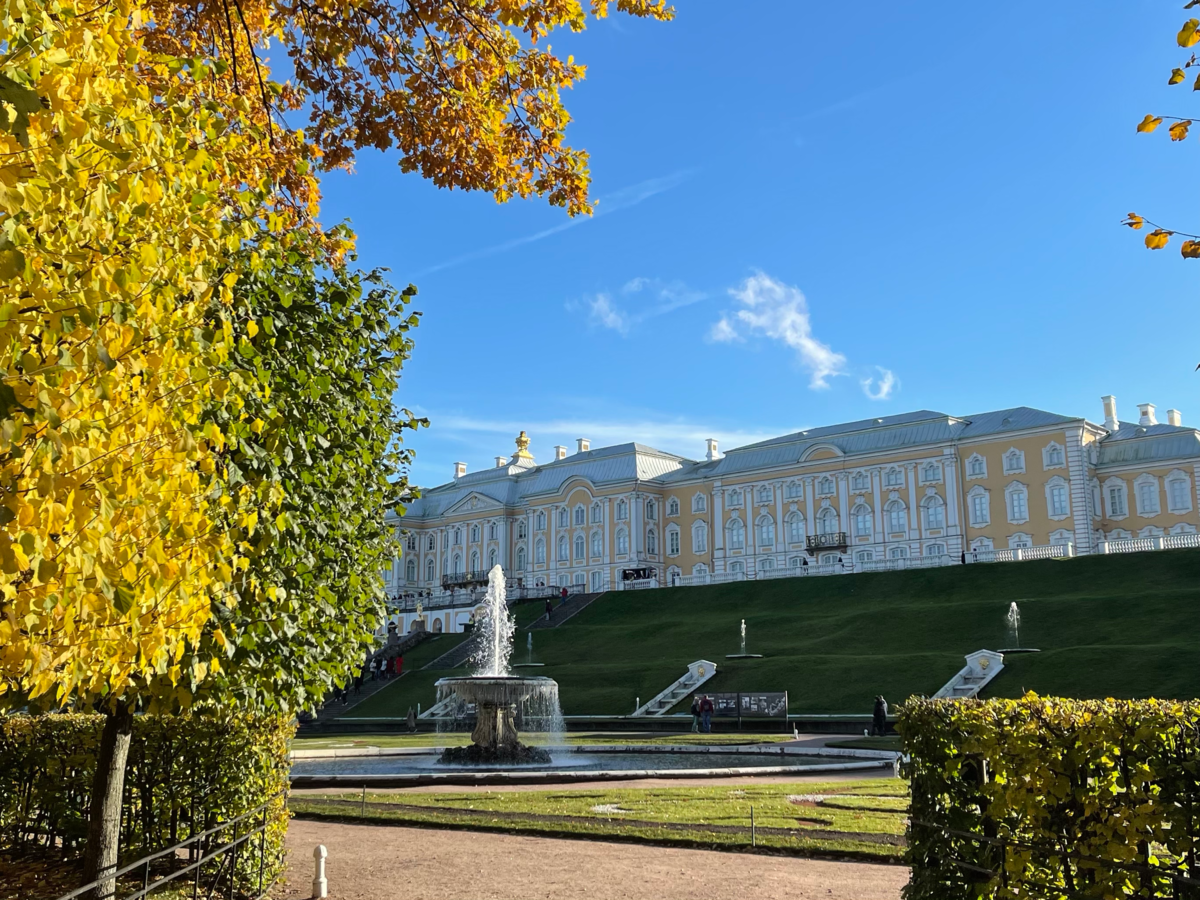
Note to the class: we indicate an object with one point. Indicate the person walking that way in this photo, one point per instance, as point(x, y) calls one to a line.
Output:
point(399, 665)
point(358, 683)
point(695, 714)
point(879, 716)
point(706, 714)
point(549, 607)
point(412, 720)
point(374, 668)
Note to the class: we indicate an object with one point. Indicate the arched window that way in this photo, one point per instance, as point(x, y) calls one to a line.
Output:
point(491, 531)
point(737, 534)
point(673, 507)
point(622, 510)
point(699, 503)
point(580, 515)
point(596, 581)
point(1179, 492)
point(896, 518)
point(410, 571)
point(457, 563)
point(699, 569)
point(795, 562)
point(474, 534)
point(429, 570)
point(651, 511)
point(521, 530)
point(580, 546)
point(827, 521)
point(893, 478)
point(1014, 462)
point(932, 473)
point(766, 565)
point(862, 520)
point(1115, 499)
point(898, 553)
point(1146, 492)
point(432, 545)
point(651, 542)
point(457, 536)
point(766, 531)
point(562, 548)
point(794, 491)
point(825, 485)
point(540, 520)
point(1053, 456)
point(411, 543)
point(935, 511)
point(562, 517)
point(735, 498)
point(491, 559)
point(520, 558)
point(764, 494)
point(700, 537)
point(1017, 498)
point(596, 514)
point(736, 567)
point(539, 551)
point(979, 507)
point(860, 482)
point(597, 544)
point(622, 542)
point(862, 556)
point(1019, 541)
point(976, 466)
point(1058, 502)
point(673, 541)
point(474, 560)
point(795, 528)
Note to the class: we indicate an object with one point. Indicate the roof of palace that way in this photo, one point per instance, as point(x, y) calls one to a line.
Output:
point(513, 485)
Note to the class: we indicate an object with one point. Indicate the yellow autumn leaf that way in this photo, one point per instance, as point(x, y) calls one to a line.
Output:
point(1176, 76)
point(1188, 35)
point(1134, 221)
point(1179, 130)
point(1190, 249)
point(1149, 123)
point(1157, 239)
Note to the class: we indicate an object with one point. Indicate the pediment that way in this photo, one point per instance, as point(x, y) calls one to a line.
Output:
point(474, 502)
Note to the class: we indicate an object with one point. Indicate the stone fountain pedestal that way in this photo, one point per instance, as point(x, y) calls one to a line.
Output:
point(495, 738)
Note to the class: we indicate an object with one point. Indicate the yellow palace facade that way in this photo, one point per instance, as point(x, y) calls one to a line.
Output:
point(921, 488)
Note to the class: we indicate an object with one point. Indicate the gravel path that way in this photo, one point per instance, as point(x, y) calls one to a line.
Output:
point(368, 862)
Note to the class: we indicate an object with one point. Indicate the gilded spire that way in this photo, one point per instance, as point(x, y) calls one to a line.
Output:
point(522, 448)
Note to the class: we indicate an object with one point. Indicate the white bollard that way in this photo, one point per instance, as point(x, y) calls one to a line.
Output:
point(320, 882)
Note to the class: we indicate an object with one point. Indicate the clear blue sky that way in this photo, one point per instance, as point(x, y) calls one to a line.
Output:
point(796, 199)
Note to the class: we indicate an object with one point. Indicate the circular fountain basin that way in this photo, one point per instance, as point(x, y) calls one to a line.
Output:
point(495, 690)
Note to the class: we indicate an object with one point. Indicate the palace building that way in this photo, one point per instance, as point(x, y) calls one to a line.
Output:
point(920, 488)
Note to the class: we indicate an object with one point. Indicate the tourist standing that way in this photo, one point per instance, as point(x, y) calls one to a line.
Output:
point(399, 665)
point(695, 714)
point(412, 720)
point(374, 668)
point(549, 607)
point(706, 714)
point(879, 716)
point(358, 683)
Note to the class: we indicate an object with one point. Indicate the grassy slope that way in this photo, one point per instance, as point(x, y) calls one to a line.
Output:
point(1123, 626)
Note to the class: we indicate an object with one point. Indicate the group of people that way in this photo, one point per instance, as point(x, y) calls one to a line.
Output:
point(702, 713)
point(385, 667)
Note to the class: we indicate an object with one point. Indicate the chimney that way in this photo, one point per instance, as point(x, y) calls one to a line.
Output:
point(1174, 417)
point(1110, 412)
point(712, 450)
point(1147, 414)
point(584, 444)
point(460, 469)
point(560, 452)
point(500, 461)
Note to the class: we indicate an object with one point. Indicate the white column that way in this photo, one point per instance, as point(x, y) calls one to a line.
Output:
point(552, 549)
point(914, 527)
point(1080, 491)
point(843, 503)
point(636, 538)
point(606, 519)
point(808, 504)
point(718, 523)
point(876, 487)
point(950, 474)
point(781, 544)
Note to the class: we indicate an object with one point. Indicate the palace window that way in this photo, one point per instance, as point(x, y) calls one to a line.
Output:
point(935, 512)
point(737, 534)
point(863, 556)
point(521, 530)
point(457, 537)
point(672, 541)
point(429, 570)
point(1115, 494)
point(410, 571)
point(622, 510)
point(766, 565)
point(521, 559)
point(896, 516)
point(1057, 500)
point(862, 520)
point(861, 482)
point(700, 537)
point(976, 467)
point(1019, 541)
point(411, 543)
point(597, 515)
point(651, 511)
point(935, 550)
point(432, 544)
point(827, 521)
point(597, 544)
point(764, 494)
point(795, 528)
point(540, 521)
point(563, 518)
point(580, 515)
point(980, 512)
point(893, 478)
point(1179, 494)
point(1018, 502)
point(699, 503)
point(491, 559)
point(699, 569)
point(673, 507)
point(1053, 457)
point(474, 534)
point(492, 531)
point(622, 542)
point(596, 576)
point(735, 498)
point(580, 546)
point(562, 548)
point(736, 567)
point(794, 491)
point(651, 542)
point(766, 531)
point(898, 553)
point(931, 473)
point(825, 485)
point(457, 563)
point(1014, 462)
point(474, 560)
point(1147, 495)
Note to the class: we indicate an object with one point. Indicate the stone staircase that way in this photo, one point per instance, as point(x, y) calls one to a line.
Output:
point(457, 656)
point(697, 673)
point(574, 605)
point(982, 666)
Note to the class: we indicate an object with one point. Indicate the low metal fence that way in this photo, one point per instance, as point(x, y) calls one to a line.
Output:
point(208, 860)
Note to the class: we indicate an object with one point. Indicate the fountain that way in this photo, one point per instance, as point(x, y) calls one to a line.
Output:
point(500, 699)
point(743, 654)
point(1013, 618)
point(529, 663)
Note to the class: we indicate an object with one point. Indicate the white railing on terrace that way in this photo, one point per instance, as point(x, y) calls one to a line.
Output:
point(641, 584)
point(725, 577)
point(1159, 542)
point(1021, 554)
point(899, 565)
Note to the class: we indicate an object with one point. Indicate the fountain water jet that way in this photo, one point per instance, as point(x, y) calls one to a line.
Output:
point(500, 698)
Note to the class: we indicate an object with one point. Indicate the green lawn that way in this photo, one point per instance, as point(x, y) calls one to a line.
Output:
point(856, 818)
point(1121, 626)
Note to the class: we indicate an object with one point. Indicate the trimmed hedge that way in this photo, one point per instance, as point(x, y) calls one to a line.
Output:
point(185, 774)
point(1052, 798)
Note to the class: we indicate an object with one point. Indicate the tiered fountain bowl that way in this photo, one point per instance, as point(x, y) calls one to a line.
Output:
point(496, 699)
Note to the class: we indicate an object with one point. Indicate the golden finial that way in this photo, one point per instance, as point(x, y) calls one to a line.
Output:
point(523, 447)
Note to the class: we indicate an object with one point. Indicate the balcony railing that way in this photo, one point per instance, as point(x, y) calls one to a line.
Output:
point(836, 540)
point(474, 577)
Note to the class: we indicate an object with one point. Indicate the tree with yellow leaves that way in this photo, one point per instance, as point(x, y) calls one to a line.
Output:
point(1158, 238)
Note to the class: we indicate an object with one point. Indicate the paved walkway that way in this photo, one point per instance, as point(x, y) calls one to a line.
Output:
point(369, 862)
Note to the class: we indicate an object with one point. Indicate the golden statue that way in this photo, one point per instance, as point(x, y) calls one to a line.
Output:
point(523, 448)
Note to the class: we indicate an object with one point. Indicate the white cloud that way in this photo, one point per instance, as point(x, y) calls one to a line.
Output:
point(664, 297)
point(780, 312)
point(882, 389)
point(602, 312)
point(723, 332)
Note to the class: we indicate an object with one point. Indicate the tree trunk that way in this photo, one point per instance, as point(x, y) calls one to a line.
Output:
point(104, 820)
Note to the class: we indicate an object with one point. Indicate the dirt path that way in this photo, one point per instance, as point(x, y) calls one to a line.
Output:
point(367, 862)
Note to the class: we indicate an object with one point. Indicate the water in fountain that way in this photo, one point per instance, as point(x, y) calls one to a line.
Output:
point(1014, 623)
point(504, 703)
point(743, 637)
